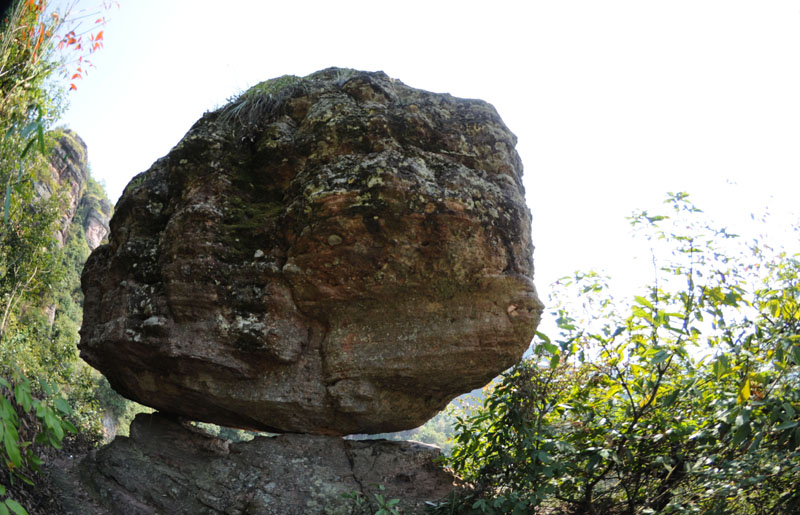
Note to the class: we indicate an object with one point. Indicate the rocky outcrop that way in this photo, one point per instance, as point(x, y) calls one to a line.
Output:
point(335, 254)
point(95, 213)
point(83, 198)
point(169, 467)
point(69, 173)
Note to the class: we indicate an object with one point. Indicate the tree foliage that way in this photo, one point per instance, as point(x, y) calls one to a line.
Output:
point(38, 312)
point(684, 400)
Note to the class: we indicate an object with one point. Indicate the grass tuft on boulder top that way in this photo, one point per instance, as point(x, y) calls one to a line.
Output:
point(250, 107)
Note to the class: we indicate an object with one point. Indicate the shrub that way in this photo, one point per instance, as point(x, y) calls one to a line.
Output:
point(18, 404)
point(684, 400)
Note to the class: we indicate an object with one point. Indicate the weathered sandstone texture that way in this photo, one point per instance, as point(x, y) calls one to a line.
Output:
point(334, 254)
point(167, 467)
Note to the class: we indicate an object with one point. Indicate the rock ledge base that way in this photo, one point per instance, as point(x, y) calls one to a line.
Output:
point(168, 467)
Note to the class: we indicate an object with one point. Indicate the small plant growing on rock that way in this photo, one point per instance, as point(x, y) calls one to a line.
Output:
point(385, 506)
point(358, 502)
point(382, 506)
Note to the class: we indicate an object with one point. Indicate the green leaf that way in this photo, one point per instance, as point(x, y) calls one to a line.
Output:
point(744, 392)
point(16, 507)
point(796, 354)
point(786, 425)
point(12, 447)
point(731, 299)
point(47, 388)
point(756, 443)
point(720, 367)
point(612, 390)
point(2, 490)
point(740, 434)
point(40, 138)
point(63, 406)
point(660, 357)
point(27, 130)
point(4, 508)
point(668, 400)
point(637, 370)
point(69, 426)
point(644, 302)
point(7, 410)
point(10, 430)
point(565, 324)
point(27, 148)
point(10, 132)
point(22, 393)
point(54, 424)
point(774, 307)
point(480, 503)
point(25, 479)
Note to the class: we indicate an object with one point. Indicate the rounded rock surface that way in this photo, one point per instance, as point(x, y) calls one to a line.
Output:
point(333, 254)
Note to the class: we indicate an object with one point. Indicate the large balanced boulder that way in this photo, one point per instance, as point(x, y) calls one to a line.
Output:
point(333, 254)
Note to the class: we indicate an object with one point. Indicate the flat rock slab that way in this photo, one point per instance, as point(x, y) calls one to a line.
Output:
point(333, 254)
point(167, 467)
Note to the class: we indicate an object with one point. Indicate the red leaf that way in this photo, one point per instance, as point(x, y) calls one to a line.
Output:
point(76, 76)
point(72, 86)
point(99, 36)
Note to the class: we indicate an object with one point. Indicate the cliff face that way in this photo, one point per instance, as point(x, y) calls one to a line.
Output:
point(69, 169)
point(93, 215)
point(84, 219)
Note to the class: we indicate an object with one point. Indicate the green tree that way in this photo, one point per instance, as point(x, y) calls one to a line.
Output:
point(684, 400)
point(32, 267)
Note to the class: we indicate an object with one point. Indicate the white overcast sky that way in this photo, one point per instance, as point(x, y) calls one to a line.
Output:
point(614, 102)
